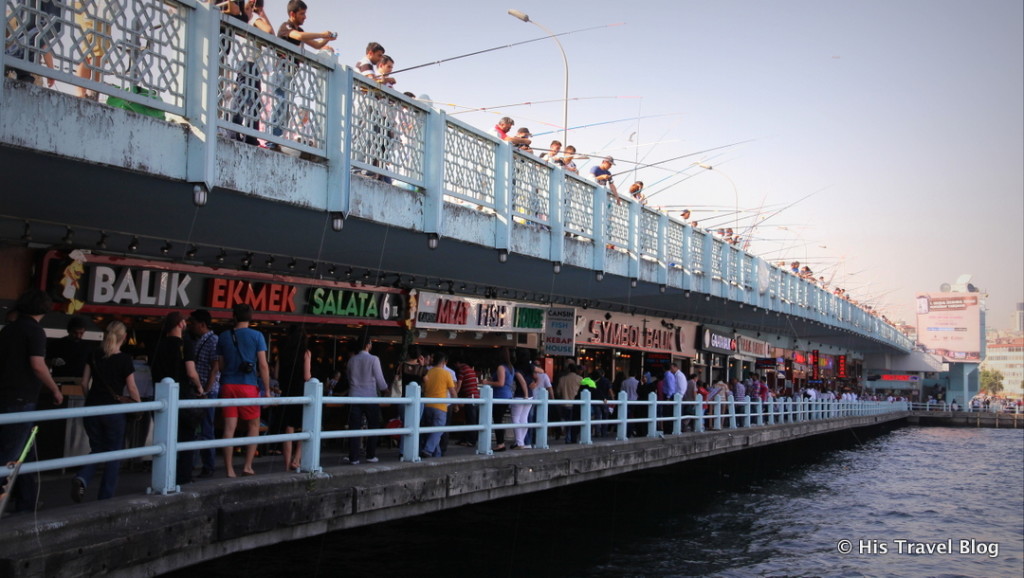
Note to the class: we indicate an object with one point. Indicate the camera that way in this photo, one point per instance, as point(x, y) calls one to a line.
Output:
point(246, 367)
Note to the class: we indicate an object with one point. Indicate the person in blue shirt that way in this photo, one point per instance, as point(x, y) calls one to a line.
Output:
point(241, 357)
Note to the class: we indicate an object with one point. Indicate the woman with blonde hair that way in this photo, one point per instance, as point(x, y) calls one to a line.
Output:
point(108, 377)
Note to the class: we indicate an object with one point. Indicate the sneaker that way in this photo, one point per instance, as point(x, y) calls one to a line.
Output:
point(372, 460)
point(353, 462)
point(77, 490)
point(425, 455)
point(206, 473)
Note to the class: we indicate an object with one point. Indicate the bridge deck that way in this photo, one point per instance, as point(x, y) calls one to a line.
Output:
point(139, 534)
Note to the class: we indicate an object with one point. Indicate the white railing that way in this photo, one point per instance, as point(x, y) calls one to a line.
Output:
point(641, 418)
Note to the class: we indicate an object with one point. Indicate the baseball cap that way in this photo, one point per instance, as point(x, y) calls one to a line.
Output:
point(609, 160)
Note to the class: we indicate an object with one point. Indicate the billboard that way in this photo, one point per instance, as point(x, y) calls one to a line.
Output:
point(949, 325)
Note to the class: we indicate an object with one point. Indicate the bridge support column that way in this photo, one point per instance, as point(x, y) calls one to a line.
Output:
point(677, 414)
point(540, 438)
point(411, 440)
point(483, 443)
point(652, 415)
point(312, 422)
point(699, 424)
point(622, 429)
point(586, 412)
point(165, 435)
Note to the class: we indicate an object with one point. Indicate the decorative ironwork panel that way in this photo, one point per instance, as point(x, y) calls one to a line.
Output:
point(387, 132)
point(278, 92)
point(128, 45)
point(749, 275)
point(579, 207)
point(674, 244)
point(648, 234)
point(469, 165)
point(617, 231)
point(697, 240)
point(717, 259)
point(531, 183)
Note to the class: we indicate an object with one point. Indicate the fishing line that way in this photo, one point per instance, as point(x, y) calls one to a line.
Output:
point(436, 62)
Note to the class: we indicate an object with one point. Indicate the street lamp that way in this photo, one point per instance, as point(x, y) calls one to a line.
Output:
point(565, 61)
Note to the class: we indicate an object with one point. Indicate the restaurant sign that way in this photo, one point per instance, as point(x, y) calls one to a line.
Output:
point(638, 332)
point(458, 313)
point(104, 284)
point(717, 342)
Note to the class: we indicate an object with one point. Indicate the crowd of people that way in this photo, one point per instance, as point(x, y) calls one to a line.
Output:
point(237, 364)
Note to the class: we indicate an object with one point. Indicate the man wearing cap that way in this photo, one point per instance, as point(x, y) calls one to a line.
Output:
point(603, 175)
point(501, 131)
point(205, 341)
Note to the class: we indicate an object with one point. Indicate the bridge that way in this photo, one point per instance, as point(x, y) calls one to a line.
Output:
point(379, 193)
point(380, 188)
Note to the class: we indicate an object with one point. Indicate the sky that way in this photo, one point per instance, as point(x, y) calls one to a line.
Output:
point(880, 142)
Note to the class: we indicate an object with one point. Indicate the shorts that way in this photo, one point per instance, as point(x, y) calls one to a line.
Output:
point(240, 391)
point(97, 32)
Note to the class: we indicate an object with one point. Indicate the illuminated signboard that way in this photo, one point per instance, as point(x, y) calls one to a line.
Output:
point(841, 367)
point(716, 342)
point(949, 325)
point(894, 377)
point(638, 332)
point(560, 332)
point(102, 284)
point(457, 313)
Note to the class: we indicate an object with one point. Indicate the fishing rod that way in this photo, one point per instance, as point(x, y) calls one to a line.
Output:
point(436, 62)
point(532, 102)
point(659, 163)
point(593, 124)
point(8, 489)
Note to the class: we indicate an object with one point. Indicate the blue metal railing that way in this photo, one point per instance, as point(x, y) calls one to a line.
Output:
point(622, 416)
point(162, 53)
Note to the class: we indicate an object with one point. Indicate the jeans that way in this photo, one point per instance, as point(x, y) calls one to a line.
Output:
point(356, 412)
point(472, 415)
point(188, 422)
point(208, 456)
point(12, 442)
point(106, 434)
point(497, 416)
point(520, 414)
point(433, 417)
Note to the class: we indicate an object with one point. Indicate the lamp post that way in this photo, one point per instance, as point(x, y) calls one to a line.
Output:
point(565, 62)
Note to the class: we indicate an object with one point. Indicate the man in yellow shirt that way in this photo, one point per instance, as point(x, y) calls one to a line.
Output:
point(438, 383)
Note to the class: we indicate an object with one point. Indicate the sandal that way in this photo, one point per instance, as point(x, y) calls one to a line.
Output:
point(500, 448)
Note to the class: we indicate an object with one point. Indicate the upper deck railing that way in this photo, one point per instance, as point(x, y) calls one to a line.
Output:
point(159, 56)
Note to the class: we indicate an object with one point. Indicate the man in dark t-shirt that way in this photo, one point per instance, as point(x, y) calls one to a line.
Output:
point(175, 359)
point(23, 374)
